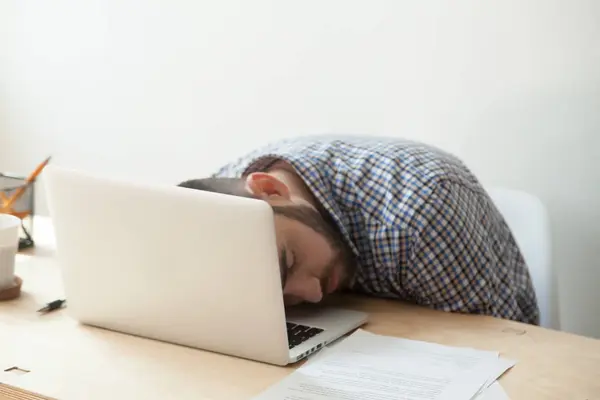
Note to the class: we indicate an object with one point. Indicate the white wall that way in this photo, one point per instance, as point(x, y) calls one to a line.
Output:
point(167, 90)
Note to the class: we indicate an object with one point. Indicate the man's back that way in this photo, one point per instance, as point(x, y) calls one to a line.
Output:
point(420, 224)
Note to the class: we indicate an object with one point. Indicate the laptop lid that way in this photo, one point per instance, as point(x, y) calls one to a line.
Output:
point(184, 266)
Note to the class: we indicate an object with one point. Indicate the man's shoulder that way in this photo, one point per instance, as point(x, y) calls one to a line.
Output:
point(358, 153)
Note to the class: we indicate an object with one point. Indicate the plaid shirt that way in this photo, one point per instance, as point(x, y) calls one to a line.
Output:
point(420, 224)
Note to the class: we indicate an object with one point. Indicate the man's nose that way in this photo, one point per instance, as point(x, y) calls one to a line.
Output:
point(308, 289)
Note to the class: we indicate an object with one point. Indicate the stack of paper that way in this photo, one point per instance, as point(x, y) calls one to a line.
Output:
point(366, 366)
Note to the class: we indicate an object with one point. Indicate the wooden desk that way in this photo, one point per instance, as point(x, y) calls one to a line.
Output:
point(64, 357)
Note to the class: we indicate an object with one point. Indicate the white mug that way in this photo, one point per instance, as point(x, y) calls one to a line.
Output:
point(9, 245)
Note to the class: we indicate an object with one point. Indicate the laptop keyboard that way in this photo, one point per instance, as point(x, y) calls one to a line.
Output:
point(300, 333)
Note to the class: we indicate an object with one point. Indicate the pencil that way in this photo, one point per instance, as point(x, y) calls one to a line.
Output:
point(32, 177)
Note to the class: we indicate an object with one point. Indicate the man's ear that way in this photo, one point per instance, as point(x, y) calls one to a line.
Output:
point(266, 186)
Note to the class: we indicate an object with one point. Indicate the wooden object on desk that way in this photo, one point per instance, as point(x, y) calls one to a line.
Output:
point(12, 292)
point(70, 361)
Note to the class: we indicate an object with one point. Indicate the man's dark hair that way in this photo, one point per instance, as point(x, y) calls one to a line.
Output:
point(300, 213)
point(231, 186)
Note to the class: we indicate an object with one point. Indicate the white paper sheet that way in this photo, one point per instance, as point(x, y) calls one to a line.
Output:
point(493, 392)
point(372, 367)
point(499, 368)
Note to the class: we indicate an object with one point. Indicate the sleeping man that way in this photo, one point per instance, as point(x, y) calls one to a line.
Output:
point(383, 217)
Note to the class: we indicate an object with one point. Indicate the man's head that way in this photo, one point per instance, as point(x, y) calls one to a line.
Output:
point(314, 260)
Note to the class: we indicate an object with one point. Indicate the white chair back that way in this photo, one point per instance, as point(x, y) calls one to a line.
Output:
point(528, 220)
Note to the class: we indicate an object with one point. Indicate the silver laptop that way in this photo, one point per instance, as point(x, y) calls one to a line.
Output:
point(183, 266)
